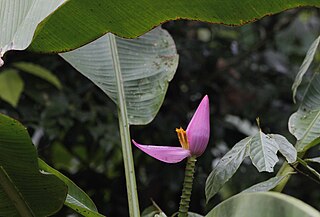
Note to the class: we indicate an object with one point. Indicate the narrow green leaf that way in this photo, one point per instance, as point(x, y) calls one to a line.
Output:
point(19, 19)
point(11, 86)
point(305, 66)
point(226, 167)
point(44, 194)
point(305, 123)
point(147, 65)
point(263, 204)
point(285, 147)
point(78, 22)
point(313, 160)
point(76, 199)
point(40, 72)
point(263, 152)
point(266, 185)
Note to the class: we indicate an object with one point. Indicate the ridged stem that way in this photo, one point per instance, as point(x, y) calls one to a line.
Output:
point(125, 134)
point(187, 187)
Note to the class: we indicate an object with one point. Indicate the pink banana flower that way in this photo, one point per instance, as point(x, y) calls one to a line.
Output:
point(193, 141)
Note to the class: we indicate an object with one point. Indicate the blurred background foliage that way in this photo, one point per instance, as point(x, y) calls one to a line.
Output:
point(247, 72)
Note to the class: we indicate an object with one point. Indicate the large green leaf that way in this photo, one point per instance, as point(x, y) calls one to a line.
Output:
point(285, 147)
point(147, 64)
point(305, 123)
point(19, 19)
point(24, 191)
point(11, 86)
point(226, 167)
point(76, 199)
point(79, 22)
point(263, 204)
point(305, 66)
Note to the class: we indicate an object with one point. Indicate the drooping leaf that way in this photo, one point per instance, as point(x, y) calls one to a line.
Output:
point(38, 194)
point(11, 86)
point(19, 19)
point(80, 22)
point(226, 167)
point(285, 147)
point(305, 123)
point(263, 152)
point(40, 72)
point(147, 64)
point(305, 66)
point(263, 204)
point(76, 199)
point(266, 185)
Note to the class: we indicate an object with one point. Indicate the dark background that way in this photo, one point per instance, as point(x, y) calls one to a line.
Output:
point(247, 72)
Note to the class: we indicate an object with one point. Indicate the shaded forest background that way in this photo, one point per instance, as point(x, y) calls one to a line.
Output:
point(247, 72)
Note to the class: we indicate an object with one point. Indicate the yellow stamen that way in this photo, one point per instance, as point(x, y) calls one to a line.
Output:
point(182, 135)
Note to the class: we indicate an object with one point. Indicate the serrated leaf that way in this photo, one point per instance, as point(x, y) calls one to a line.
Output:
point(226, 167)
point(285, 147)
point(38, 194)
point(305, 123)
point(11, 86)
point(147, 64)
point(40, 72)
point(305, 66)
point(263, 204)
point(19, 19)
point(76, 199)
point(265, 185)
point(263, 152)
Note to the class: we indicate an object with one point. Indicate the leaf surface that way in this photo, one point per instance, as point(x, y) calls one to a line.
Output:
point(147, 65)
point(25, 191)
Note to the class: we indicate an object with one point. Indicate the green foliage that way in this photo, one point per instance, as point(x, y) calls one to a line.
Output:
point(263, 205)
point(262, 150)
point(24, 190)
point(39, 72)
point(146, 64)
point(11, 86)
point(305, 123)
point(305, 66)
point(265, 185)
point(92, 19)
point(76, 199)
point(19, 19)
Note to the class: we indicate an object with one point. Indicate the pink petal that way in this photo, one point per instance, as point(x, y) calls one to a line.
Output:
point(198, 131)
point(164, 153)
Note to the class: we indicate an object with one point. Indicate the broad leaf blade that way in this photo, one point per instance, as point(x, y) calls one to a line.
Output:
point(44, 193)
point(11, 86)
point(226, 167)
point(266, 185)
point(80, 22)
point(263, 204)
point(263, 152)
point(285, 147)
point(147, 63)
point(305, 123)
point(76, 199)
point(19, 19)
point(40, 72)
